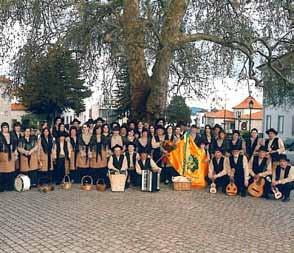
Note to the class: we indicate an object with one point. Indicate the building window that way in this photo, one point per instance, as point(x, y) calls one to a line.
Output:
point(281, 124)
point(268, 122)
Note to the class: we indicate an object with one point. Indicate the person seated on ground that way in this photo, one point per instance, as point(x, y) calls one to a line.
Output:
point(239, 170)
point(218, 170)
point(132, 156)
point(117, 163)
point(145, 162)
point(260, 166)
point(283, 177)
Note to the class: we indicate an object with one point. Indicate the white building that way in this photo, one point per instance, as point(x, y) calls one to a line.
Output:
point(9, 112)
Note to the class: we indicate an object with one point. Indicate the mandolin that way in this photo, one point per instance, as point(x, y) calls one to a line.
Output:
point(275, 190)
point(213, 187)
point(256, 188)
point(231, 188)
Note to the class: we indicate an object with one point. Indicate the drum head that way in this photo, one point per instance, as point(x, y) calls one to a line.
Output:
point(18, 184)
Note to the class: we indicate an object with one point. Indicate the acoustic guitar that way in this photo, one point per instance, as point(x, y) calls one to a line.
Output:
point(256, 188)
point(213, 186)
point(231, 188)
point(275, 190)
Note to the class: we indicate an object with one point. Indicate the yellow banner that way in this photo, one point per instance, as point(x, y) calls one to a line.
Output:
point(190, 161)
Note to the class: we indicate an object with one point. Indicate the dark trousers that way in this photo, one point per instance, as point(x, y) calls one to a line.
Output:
point(134, 177)
point(220, 182)
point(74, 176)
point(239, 182)
point(59, 171)
point(84, 172)
point(45, 177)
point(167, 173)
point(7, 181)
point(286, 189)
point(33, 175)
point(101, 175)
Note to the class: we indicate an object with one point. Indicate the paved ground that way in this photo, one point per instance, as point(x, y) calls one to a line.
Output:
point(168, 221)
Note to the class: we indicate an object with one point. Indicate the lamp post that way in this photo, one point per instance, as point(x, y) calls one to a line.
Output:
point(251, 104)
point(239, 117)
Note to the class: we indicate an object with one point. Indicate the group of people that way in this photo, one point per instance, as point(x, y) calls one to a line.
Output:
point(98, 149)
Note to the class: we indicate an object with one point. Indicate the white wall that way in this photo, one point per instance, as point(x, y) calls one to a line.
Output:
point(274, 112)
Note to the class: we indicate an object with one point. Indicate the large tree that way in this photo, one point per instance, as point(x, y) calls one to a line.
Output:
point(53, 84)
point(166, 45)
point(178, 111)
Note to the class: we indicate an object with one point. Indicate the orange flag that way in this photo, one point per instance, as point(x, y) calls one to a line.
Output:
point(190, 161)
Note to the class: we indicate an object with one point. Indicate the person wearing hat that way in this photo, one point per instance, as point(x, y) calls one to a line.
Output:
point(260, 166)
point(275, 146)
point(29, 155)
point(252, 144)
point(117, 163)
point(116, 138)
point(8, 154)
point(239, 170)
point(99, 121)
point(283, 177)
point(132, 156)
point(218, 170)
point(146, 163)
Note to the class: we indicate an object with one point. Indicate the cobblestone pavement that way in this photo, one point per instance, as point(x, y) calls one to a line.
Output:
point(167, 221)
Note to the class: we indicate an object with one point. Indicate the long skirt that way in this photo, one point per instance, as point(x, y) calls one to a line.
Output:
point(100, 174)
point(7, 181)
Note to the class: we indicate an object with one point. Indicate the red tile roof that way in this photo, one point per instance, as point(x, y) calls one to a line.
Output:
point(221, 114)
point(254, 116)
point(4, 79)
point(245, 104)
point(17, 107)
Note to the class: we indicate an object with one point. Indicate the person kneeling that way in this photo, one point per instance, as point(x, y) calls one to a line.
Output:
point(117, 162)
point(149, 171)
point(283, 177)
point(218, 170)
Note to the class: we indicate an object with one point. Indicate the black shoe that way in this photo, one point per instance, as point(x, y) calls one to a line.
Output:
point(243, 193)
point(287, 199)
point(266, 196)
point(166, 181)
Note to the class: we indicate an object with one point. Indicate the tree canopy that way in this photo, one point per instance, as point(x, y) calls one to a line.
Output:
point(178, 111)
point(53, 84)
point(164, 46)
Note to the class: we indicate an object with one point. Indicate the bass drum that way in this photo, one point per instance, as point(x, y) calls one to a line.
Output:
point(22, 183)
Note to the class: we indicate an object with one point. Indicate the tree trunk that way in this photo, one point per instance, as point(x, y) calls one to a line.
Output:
point(134, 48)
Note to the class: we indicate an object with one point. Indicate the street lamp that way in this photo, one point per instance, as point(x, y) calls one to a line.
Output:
point(239, 117)
point(251, 104)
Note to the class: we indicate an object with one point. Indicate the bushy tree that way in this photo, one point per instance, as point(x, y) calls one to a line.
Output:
point(52, 84)
point(178, 111)
point(167, 45)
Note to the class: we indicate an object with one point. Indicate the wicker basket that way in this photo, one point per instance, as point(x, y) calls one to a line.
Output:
point(182, 186)
point(117, 182)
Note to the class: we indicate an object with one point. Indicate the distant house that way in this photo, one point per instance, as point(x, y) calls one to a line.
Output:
point(246, 115)
point(9, 112)
point(224, 118)
point(280, 117)
point(198, 116)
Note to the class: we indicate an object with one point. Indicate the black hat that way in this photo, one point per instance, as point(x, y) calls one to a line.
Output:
point(272, 130)
point(236, 147)
point(263, 148)
point(90, 121)
point(75, 121)
point(131, 144)
point(217, 126)
point(99, 119)
point(219, 149)
point(202, 141)
point(116, 128)
point(62, 134)
point(16, 124)
point(283, 157)
point(116, 146)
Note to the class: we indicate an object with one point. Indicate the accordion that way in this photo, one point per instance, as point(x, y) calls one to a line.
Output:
point(150, 181)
